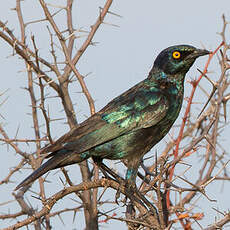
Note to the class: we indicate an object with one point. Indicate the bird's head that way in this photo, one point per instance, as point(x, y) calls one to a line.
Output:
point(178, 59)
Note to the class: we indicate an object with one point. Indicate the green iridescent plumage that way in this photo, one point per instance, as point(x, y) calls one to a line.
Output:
point(131, 124)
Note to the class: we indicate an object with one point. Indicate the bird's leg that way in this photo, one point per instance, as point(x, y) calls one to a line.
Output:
point(117, 177)
point(131, 179)
point(129, 182)
point(98, 162)
point(132, 164)
point(111, 172)
point(131, 189)
point(130, 186)
point(106, 169)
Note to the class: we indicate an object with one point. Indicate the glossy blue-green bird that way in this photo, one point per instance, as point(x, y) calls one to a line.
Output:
point(132, 123)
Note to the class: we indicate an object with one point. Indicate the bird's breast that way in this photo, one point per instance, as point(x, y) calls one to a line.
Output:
point(174, 96)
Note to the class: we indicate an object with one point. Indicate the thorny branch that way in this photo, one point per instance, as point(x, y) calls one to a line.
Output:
point(39, 69)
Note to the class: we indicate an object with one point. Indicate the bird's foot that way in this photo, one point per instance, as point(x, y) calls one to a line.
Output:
point(133, 193)
point(118, 193)
point(129, 190)
point(147, 203)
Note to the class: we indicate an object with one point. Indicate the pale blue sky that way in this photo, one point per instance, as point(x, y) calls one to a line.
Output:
point(122, 57)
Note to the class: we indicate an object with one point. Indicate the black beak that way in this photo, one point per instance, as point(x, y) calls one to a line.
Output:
point(197, 53)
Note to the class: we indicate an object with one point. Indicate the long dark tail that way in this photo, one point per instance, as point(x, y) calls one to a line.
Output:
point(59, 159)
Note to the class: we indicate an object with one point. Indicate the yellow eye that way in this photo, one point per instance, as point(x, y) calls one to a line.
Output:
point(176, 54)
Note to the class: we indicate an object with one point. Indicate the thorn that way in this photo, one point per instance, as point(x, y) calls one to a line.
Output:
point(221, 53)
point(87, 75)
point(224, 101)
point(225, 112)
point(110, 12)
point(218, 211)
point(214, 85)
point(110, 24)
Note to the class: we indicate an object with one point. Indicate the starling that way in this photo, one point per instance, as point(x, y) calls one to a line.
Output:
point(132, 123)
